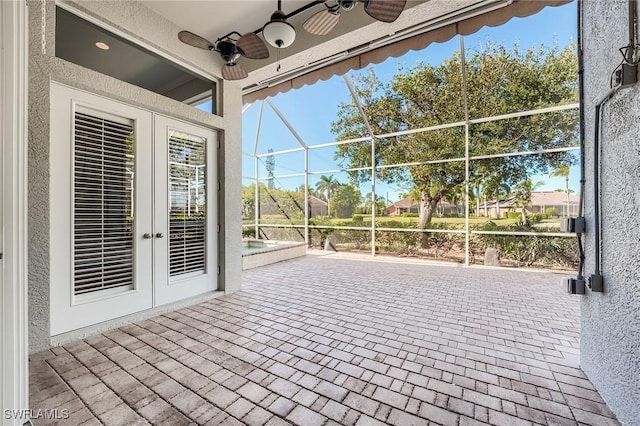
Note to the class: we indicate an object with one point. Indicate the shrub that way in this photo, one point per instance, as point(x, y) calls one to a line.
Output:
point(357, 218)
point(514, 215)
point(527, 250)
point(279, 219)
point(551, 212)
point(536, 217)
point(410, 215)
point(355, 238)
point(282, 234)
point(395, 224)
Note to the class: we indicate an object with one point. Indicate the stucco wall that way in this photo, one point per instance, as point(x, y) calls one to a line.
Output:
point(131, 18)
point(610, 330)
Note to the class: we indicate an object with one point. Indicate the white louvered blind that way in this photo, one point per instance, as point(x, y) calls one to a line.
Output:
point(187, 214)
point(103, 204)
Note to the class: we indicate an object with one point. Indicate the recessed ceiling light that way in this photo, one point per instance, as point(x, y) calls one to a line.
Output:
point(101, 45)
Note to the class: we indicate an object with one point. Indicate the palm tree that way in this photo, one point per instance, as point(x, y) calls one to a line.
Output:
point(457, 197)
point(482, 190)
point(496, 187)
point(563, 171)
point(327, 185)
point(522, 196)
point(474, 193)
point(381, 202)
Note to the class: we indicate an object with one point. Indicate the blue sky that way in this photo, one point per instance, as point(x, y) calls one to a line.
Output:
point(311, 109)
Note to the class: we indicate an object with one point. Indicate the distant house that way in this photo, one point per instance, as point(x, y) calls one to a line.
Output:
point(541, 202)
point(317, 207)
point(408, 205)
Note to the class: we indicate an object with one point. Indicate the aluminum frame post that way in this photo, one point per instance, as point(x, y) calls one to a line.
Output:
point(372, 135)
point(306, 196)
point(467, 234)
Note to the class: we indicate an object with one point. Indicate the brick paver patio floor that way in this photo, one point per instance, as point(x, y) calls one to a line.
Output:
point(335, 339)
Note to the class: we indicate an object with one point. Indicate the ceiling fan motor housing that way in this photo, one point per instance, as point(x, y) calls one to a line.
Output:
point(228, 51)
point(347, 4)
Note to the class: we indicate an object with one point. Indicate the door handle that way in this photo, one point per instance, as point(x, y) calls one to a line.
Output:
point(159, 235)
point(147, 236)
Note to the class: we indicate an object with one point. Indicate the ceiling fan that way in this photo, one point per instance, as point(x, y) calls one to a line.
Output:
point(321, 23)
point(230, 47)
point(280, 34)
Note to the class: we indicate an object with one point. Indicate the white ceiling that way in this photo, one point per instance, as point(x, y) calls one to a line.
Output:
point(214, 18)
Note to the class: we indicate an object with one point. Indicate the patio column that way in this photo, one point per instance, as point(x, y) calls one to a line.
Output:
point(14, 371)
point(230, 198)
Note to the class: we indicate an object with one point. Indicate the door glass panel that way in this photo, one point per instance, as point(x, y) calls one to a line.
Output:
point(187, 203)
point(103, 204)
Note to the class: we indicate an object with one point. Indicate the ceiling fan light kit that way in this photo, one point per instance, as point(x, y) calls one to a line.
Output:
point(281, 34)
point(278, 32)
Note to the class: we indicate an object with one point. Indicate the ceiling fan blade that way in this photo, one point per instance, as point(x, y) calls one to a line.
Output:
point(194, 40)
point(252, 46)
point(321, 23)
point(234, 71)
point(384, 10)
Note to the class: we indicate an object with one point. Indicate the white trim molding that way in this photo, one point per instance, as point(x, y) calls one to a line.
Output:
point(14, 367)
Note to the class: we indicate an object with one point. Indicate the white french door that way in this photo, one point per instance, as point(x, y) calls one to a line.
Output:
point(185, 210)
point(132, 210)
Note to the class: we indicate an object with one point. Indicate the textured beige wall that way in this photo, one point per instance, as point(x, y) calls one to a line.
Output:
point(135, 20)
point(610, 330)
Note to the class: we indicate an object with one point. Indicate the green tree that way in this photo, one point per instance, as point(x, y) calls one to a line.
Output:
point(563, 171)
point(248, 201)
point(327, 186)
point(286, 203)
point(345, 200)
point(498, 81)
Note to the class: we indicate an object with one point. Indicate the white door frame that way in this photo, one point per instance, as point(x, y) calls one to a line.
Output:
point(152, 284)
point(14, 367)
